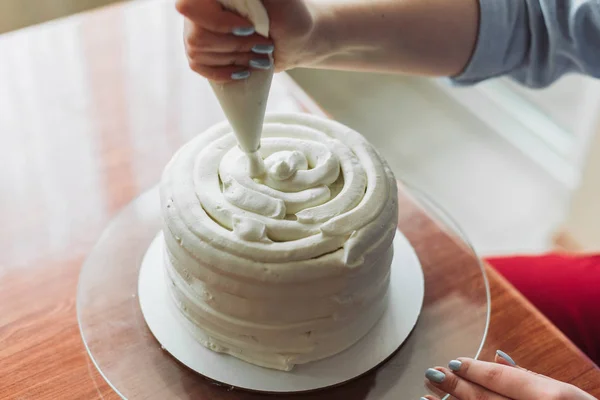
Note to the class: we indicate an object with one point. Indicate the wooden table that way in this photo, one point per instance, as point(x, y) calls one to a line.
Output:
point(91, 109)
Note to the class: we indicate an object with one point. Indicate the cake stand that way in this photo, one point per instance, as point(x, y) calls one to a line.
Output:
point(453, 321)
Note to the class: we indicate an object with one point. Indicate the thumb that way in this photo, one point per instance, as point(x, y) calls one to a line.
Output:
point(504, 359)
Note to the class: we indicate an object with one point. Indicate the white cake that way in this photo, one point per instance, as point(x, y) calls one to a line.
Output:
point(288, 269)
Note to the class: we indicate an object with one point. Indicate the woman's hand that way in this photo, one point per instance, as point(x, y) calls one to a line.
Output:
point(222, 45)
point(468, 379)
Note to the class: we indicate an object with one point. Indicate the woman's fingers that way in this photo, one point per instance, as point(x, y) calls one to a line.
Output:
point(468, 379)
point(224, 59)
point(200, 39)
point(221, 74)
point(226, 73)
point(514, 383)
point(458, 387)
point(212, 16)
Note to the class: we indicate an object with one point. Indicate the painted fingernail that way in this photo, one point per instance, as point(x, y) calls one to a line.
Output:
point(506, 357)
point(261, 63)
point(423, 398)
point(236, 76)
point(454, 365)
point(263, 48)
point(244, 31)
point(435, 376)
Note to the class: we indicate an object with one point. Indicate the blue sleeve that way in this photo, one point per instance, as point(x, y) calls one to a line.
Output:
point(535, 41)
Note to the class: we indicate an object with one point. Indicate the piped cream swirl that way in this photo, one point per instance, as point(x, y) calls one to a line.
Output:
point(316, 229)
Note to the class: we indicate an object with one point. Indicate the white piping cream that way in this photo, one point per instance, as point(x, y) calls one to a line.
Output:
point(289, 268)
point(244, 102)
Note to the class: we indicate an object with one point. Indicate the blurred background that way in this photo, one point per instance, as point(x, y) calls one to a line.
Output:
point(514, 167)
point(15, 14)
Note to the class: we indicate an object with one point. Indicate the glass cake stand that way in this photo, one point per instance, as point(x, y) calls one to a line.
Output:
point(453, 322)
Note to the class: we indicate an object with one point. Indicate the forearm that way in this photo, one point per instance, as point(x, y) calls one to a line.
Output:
point(427, 37)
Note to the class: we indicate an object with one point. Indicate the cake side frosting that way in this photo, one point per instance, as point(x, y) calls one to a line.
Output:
point(288, 269)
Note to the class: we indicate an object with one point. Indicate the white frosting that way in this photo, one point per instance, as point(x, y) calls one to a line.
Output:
point(289, 268)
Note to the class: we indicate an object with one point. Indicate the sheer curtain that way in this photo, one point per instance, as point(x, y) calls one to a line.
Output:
point(553, 126)
point(15, 14)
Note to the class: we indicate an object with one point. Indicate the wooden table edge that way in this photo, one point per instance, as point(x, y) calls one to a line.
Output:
point(502, 281)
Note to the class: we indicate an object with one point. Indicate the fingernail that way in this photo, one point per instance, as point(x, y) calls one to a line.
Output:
point(506, 357)
point(244, 31)
point(236, 76)
point(435, 376)
point(423, 398)
point(454, 365)
point(262, 63)
point(263, 48)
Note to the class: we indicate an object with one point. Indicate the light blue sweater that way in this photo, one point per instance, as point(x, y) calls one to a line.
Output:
point(535, 41)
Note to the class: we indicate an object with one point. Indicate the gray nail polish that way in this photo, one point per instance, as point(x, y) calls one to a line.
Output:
point(261, 63)
point(263, 48)
point(236, 76)
point(506, 357)
point(244, 31)
point(454, 365)
point(423, 398)
point(435, 376)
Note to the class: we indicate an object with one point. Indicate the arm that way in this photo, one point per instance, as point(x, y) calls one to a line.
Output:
point(534, 41)
point(430, 37)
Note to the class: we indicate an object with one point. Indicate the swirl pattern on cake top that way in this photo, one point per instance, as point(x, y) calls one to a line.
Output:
point(289, 268)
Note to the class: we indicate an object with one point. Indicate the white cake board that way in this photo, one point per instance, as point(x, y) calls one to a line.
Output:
point(405, 298)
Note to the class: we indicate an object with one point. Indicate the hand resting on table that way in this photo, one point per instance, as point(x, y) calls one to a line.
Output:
point(468, 379)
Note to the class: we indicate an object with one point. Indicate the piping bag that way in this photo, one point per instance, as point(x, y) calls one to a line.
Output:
point(244, 102)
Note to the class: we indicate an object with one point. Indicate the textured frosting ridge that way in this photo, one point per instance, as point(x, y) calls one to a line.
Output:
point(289, 268)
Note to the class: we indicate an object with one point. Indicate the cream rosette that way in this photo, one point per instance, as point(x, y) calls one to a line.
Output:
point(289, 268)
